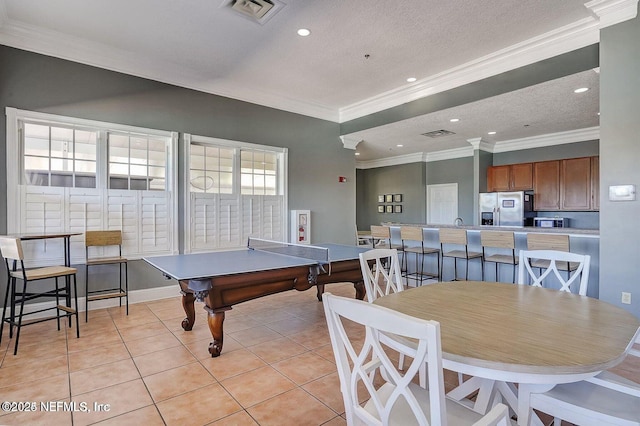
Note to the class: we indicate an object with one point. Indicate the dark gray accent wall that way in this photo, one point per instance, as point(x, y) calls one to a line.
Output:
point(549, 69)
point(619, 155)
point(405, 179)
point(317, 158)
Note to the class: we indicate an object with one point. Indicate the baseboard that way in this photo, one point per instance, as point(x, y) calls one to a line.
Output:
point(135, 296)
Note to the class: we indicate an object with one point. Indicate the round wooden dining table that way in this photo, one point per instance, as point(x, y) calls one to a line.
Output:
point(511, 333)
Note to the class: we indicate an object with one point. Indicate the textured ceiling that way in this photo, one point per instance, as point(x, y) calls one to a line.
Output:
point(204, 45)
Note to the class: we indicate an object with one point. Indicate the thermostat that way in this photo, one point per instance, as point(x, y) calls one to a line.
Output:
point(622, 193)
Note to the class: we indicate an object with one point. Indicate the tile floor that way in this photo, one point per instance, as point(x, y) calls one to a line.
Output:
point(277, 367)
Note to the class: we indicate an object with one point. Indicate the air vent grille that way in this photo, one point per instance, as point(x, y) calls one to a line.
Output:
point(259, 11)
point(438, 133)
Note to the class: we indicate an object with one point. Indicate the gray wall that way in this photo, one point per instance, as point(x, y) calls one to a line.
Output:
point(460, 171)
point(316, 156)
point(406, 179)
point(619, 155)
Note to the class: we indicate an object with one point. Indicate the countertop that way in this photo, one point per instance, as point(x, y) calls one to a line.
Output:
point(522, 229)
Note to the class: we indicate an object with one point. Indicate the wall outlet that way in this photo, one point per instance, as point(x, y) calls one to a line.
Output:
point(626, 298)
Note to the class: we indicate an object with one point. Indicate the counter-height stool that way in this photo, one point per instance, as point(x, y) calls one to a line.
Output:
point(559, 242)
point(499, 240)
point(95, 240)
point(380, 237)
point(416, 235)
point(458, 238)
point(32, 288)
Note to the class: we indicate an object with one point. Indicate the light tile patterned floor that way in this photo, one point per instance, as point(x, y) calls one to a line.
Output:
point(277, 367)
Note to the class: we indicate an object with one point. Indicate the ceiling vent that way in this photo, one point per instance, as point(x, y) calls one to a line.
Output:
point(438, 133)
point(259, 11)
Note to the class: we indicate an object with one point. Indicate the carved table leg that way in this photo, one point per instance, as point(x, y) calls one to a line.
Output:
point(320, 288)
point(215, 320)
point(187, 304)
point(360, 290)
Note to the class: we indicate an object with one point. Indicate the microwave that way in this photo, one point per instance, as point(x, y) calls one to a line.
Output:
point(550, 222)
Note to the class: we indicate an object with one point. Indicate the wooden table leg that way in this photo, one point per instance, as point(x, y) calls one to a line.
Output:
point(215, 320)
point(320, 288)
point(188, 300)
point(360, 290)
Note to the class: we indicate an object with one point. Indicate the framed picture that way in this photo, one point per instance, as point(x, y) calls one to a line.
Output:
point(381, 198)
point(388, 198)
point(380, 209)
point(397, 208)
point(397, 198)
point(389, 209)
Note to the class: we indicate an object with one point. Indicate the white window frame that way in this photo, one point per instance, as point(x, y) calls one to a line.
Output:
point(282, 179)
point(14, 207)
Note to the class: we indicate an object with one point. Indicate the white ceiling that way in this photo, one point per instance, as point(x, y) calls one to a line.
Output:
point(204, 45)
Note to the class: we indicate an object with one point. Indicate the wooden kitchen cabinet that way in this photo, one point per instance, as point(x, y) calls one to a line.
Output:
point(546, 184)
point(512, 177)
point(595, 183)
point(576, 184)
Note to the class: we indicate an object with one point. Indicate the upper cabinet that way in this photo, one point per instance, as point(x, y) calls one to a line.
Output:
point(546, 184)
point(512, 177)
point(569, 185)
point(575, 184)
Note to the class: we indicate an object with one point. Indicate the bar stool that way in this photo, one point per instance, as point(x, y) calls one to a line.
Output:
point(559, 242)
point(381, 234)
point(501, 240)
point(105, 239)
point(413, 233)
point(32, 288)
point(457, 237)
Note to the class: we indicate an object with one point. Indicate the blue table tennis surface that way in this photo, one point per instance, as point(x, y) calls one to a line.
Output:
point(221, 263)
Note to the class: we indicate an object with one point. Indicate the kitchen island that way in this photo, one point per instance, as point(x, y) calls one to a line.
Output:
point(581, 241)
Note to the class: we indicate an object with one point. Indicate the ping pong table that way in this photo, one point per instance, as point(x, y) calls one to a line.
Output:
point(225, 278)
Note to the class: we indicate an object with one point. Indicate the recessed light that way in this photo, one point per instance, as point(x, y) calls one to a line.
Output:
point(491, 133)
point(581, 90)
point(411, 79)
point(454, 120)
point(399, 145)
point(303, 32)
point(357, 153)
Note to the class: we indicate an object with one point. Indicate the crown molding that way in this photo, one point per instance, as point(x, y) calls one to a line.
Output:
point(562, 40)
point(560, 138)
point(481, 144)
point(418, 157)
point(350, 143)
point(611, 12)
point(449, 154)
point(75, 49)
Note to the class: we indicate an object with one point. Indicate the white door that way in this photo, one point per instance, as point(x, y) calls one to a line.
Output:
point(442, 203)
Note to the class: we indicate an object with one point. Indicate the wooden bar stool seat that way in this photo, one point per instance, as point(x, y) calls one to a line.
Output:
point(416, 234)
point(558, 242)
point(499, 240)
point(33, 288)
point(458, 238)
point(96, 242)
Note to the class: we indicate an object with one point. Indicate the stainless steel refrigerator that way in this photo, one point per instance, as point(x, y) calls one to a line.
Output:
point(504, 208)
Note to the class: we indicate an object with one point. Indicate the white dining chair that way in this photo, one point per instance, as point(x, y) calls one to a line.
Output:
point(398, 401)
point(556, 260)
point(606, 399)
point(382, 276)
